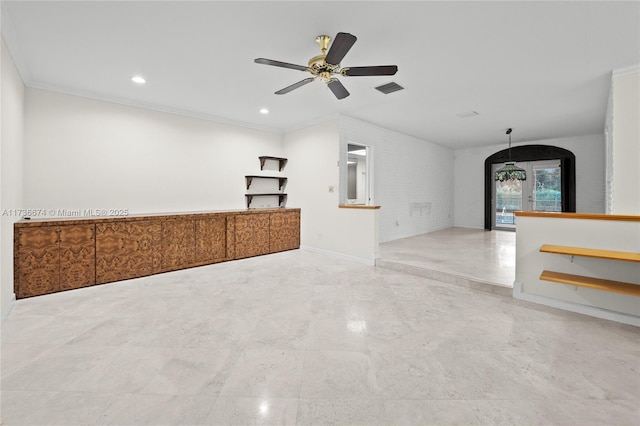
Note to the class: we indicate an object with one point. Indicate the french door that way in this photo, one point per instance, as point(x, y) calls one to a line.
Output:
point(541, 192)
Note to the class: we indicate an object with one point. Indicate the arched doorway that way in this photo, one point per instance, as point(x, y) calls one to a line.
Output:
point(532, 153)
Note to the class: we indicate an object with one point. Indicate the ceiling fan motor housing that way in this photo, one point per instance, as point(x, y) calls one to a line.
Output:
point(318, 65)
point(325, 71)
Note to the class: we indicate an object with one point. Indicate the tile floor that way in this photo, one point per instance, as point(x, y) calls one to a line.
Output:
point(300, 338)
point(470, 256)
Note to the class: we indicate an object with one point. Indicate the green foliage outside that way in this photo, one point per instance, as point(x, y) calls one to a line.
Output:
point(547, 193)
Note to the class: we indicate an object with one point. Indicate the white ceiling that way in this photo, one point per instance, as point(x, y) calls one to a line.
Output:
point(542, 68)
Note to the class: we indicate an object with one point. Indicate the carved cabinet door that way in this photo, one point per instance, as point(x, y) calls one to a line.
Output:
point(127, 250)
point(284, 231)
point(143, 247)
point(178, 243)
point(54, 258)
point(77, 256)
point(211, 239)
point(251, 235)
point(38, 261)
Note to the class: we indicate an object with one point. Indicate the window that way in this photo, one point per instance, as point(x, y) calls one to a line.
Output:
point(357, 173)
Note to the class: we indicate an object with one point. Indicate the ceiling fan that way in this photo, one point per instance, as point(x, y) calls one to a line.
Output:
point(327, 65)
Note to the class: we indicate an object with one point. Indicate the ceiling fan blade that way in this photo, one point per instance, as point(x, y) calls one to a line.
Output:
point(264, 61)
point(376, 70)
point(338, 89)
point(339, 48)
point(294, 86)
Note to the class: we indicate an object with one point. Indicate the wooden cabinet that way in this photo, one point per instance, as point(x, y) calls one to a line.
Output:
point(251, 235)
point(77, 256)
point(212, 239)
point(54, 258)
point(178, 244)
point(127, 249)
point(284, 230)
point(37, 268)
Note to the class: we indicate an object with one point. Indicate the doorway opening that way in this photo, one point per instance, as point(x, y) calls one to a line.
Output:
point(550, 184)
point(541, 192)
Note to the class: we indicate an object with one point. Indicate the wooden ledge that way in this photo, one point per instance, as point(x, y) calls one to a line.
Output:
point(590, 282)
point(591, 216)
point(588, 252)
point(281, 161)
point(357, 206)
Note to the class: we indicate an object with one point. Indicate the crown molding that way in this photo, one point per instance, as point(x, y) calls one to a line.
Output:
point(399, 132)
point(619, 72)
point(312, 122)
point(11, 41)
point(150, 106)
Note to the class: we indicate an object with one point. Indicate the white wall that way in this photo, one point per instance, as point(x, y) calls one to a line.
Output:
point(626, 143)
point(533, 232)
point(608, 154)
point(469, 177)
point(12, 124)
point(411, 179)
point(361, 181)
point(312, 169)
point(87, 154)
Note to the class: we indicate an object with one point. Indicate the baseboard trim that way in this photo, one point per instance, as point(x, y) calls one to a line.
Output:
point(371, 261)
point(591, 311)
point(7, 307)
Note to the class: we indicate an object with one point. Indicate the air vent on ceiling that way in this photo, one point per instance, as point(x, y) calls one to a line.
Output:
point(389, 88)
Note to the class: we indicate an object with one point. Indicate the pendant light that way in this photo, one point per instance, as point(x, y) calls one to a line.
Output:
point(510, 171)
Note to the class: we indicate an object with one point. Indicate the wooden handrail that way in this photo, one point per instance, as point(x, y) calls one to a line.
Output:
point(357, 206)
point(592, 216)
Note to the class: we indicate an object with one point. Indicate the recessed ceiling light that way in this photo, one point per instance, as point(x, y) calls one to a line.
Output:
point(264, 111)
point(138, 79)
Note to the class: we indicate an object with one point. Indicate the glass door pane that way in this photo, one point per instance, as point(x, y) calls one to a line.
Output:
point(546, 189)
point(541, 191)
point(508, 199)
